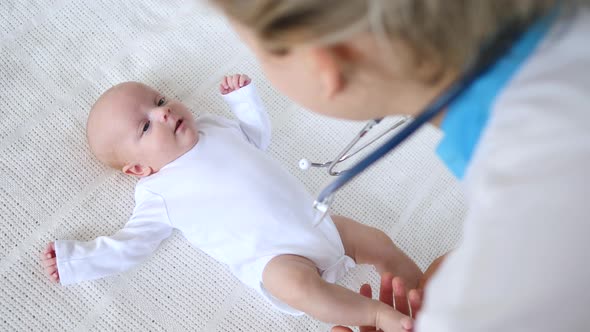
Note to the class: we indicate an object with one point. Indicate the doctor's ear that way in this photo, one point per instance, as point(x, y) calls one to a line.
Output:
point(137, 170)
point(331, 63)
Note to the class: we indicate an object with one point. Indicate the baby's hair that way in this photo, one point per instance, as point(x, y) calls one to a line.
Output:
point(105, 153)
point(447, 33)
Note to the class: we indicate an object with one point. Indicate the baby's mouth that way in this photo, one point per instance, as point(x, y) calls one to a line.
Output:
point(178, 124)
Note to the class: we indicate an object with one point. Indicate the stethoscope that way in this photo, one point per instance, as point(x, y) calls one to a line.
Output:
point(488, 56)
point(305, 164)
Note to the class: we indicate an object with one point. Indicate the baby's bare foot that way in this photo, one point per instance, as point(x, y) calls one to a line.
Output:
point(390, 320)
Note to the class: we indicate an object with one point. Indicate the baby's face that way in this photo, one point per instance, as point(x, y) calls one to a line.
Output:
point(141, 128)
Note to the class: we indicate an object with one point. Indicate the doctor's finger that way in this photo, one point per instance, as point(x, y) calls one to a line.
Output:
point(386, 289)
point(415, 299)
point(400, 296)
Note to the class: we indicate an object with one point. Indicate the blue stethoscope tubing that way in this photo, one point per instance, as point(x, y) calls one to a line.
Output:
point(488, 56)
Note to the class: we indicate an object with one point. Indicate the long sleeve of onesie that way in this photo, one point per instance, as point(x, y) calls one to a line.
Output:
point(107, 255)
point(248, 108)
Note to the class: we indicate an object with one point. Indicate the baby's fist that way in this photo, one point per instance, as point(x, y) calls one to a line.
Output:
point(49, 262)
point(233, 82)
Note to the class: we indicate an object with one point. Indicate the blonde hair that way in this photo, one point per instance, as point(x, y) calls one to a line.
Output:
point(447, 33)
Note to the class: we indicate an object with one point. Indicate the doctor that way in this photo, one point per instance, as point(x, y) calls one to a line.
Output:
point(518, 138)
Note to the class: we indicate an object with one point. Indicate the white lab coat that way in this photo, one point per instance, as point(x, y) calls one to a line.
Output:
point(524, 261)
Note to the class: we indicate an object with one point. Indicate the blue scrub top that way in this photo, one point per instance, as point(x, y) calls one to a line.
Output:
point(467, 117)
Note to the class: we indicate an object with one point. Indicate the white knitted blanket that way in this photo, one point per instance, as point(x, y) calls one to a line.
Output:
point(56, 57)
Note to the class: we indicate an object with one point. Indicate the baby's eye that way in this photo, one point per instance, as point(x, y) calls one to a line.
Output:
point(146, 126)
point(161, 101)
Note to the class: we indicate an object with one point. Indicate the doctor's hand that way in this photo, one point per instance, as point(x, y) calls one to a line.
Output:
point(430, 271)
point(232, 83)
point(392, 292)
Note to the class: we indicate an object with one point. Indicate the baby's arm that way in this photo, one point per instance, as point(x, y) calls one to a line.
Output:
point(75, 261)
point(247, 106)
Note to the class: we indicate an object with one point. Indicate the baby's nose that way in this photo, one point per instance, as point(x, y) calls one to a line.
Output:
point(164, 113)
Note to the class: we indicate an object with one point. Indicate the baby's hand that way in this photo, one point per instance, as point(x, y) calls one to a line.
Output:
point(49, 262)
point(233, 82)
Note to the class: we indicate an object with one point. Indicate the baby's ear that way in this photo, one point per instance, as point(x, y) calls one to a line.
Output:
point(137, 170)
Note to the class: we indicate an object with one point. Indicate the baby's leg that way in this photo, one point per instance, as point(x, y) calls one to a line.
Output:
point(296, 281)
point(368, 245)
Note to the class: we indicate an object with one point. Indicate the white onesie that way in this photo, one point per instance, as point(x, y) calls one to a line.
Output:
point(228, 198)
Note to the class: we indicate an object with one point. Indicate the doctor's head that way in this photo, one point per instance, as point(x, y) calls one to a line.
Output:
point(363, 59)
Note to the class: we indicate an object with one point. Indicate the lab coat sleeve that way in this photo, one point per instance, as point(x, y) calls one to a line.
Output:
point(248, 108)
point(107, 255)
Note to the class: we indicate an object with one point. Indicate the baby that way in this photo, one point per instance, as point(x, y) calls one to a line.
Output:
point(212, 180)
